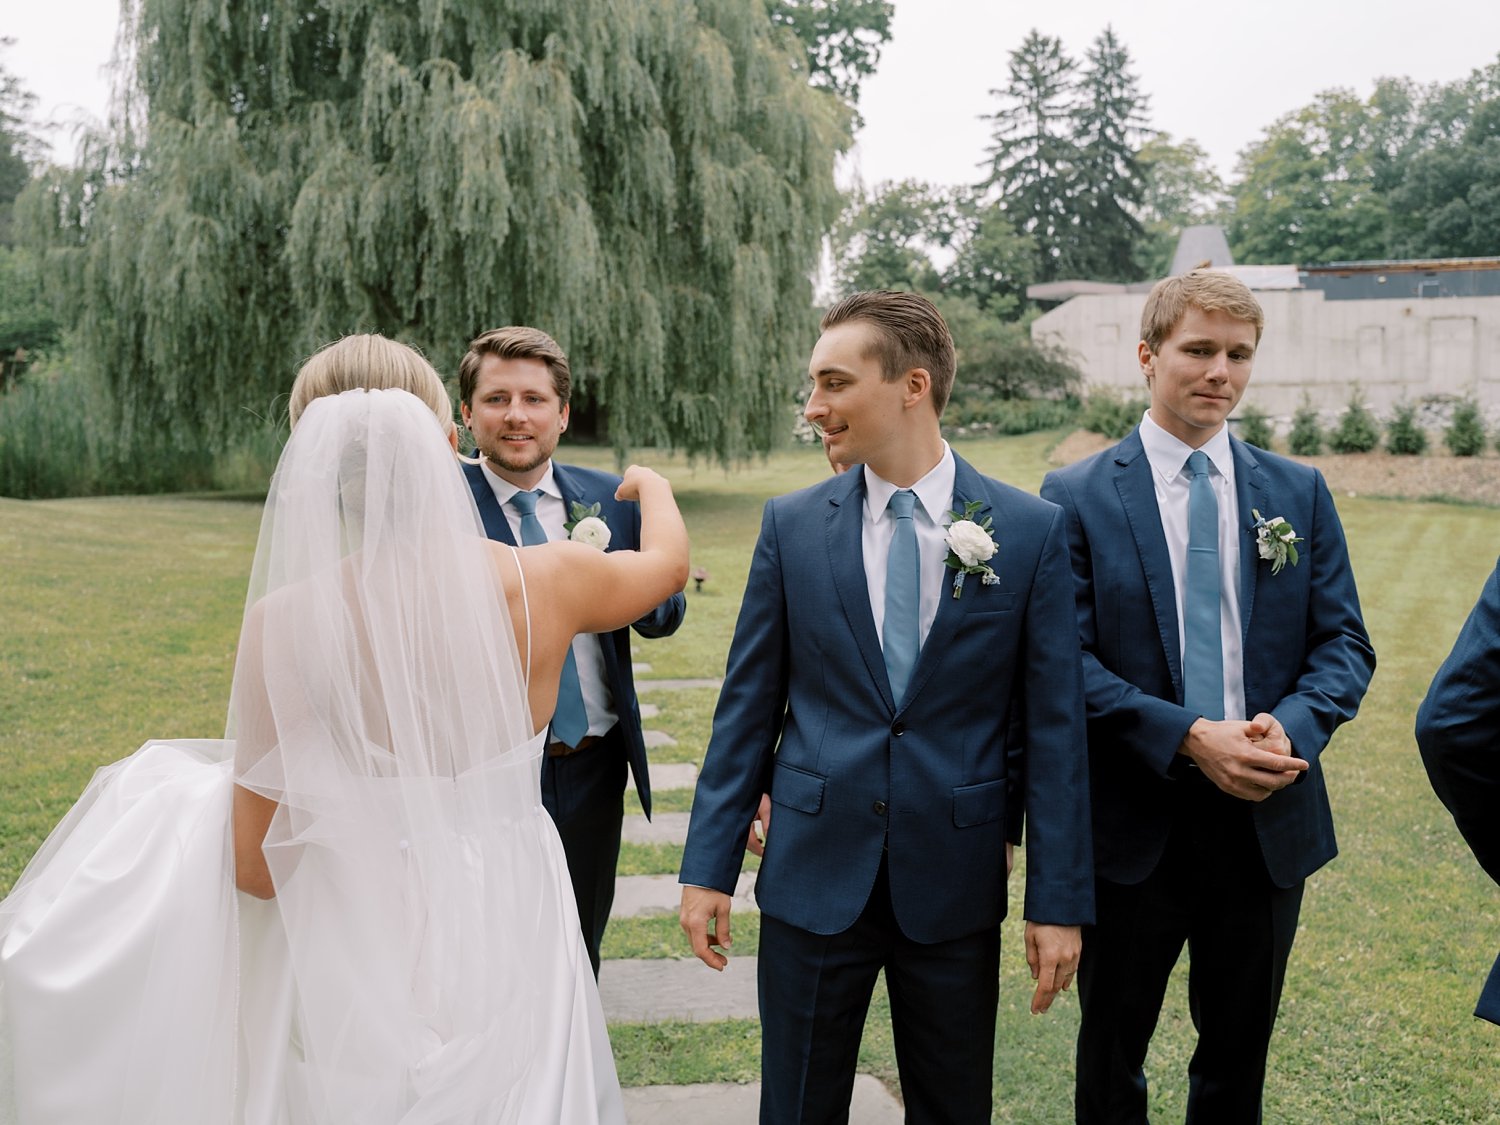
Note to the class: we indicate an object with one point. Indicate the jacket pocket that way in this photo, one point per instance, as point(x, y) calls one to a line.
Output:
point(797, 789)
point(978, 804)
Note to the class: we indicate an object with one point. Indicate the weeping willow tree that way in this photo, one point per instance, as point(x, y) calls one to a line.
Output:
point(647, 180)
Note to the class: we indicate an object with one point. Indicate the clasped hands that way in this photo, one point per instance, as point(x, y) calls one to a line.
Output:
point(1052, 952)
point(1249, 760)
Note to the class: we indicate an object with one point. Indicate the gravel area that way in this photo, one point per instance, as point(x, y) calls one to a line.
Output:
point(1470, 480)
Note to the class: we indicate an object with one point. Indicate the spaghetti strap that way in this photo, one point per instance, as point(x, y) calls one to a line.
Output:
point(526, 609)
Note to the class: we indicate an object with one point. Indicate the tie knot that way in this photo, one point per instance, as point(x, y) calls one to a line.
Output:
point(902, 503)
point(1197, 463)
point(525, 502)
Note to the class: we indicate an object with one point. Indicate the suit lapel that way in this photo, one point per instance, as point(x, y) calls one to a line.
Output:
point(1138, 497)
point(1250, 492)
point(568, 488)
point(496, 526)
point(844, 537)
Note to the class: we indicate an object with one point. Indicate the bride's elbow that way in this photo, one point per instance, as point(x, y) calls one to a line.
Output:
point(257, 884)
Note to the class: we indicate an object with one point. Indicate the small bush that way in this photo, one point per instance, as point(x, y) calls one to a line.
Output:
point(1356, 431)
point(1306, 438)
point(1254, 428)
point(1111, 414)
point(1403, 435)
point(1014, 416)
point(1465, 436)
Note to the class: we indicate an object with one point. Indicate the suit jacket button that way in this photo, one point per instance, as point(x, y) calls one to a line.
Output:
point(879, 808)
point(898, 728)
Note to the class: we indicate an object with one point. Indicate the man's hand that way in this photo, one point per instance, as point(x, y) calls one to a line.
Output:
point(1052, 952)
point(700, 905)
point(1010, 858)
point(1246, 760)
point(760, 827)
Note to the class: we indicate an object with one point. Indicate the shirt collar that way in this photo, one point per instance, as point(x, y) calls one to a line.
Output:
point(934, 491)
point(504, 490)
point(1168, 453)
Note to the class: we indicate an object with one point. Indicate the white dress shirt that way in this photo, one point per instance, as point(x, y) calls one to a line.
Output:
point(551, 513)
point(930, 514)
point(1168, 456)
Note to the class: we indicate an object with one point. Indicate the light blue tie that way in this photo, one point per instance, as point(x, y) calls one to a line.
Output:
point(901, 637)
point(1203, 651)
point(570, 722)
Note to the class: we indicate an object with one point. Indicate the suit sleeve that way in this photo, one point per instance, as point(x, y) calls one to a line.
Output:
point(1338, 659)
point(1150, 727)
point(1458, 729)
point(747, 724)
point(1059, 839)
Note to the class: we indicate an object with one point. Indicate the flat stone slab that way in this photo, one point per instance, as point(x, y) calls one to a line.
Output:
point(655, 738)
point(673, 775)
point(725, 1103)
point(663, 828)
point(640, 668)
point(648, 991)
point(649, 710)
point(637, 895)
point(675, 685)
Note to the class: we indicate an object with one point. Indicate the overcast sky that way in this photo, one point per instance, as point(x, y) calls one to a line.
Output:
point(1218, 74)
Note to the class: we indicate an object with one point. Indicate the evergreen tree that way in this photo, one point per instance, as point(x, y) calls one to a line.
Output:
point(1402, 434)
point(649, 182)
point(1034, 155)
point(1306, 437)
point(1109, 122)
point(1356, 431)
point(1465, 436)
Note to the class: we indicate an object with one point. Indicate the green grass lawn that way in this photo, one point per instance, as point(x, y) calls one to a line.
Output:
point(118, 620)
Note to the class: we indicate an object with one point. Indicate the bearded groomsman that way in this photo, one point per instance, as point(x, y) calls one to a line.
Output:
point(1222, 646)
point(514, 386)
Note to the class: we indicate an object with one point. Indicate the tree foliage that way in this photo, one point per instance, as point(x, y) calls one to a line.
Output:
point(647, 181)
point(1306, 436)
point(1356, 431)
point(843, 39)
point(1110, 121)
point(1409, 172)
point(1179, 189)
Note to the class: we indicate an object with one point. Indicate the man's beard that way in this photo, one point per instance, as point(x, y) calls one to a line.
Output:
point(512, 460)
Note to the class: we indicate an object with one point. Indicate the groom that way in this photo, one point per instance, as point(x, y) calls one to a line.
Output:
point(1219, 656)
point(514, 384)
point(871, 693)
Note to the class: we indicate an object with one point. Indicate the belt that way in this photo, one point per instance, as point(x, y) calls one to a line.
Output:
point(563, 750)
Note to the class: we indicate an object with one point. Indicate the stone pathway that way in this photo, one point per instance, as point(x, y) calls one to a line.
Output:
point(645, 991)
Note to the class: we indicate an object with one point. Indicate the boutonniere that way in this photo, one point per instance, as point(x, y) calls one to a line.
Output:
point(1275, 541)
point(971, 544)
point(587, 525)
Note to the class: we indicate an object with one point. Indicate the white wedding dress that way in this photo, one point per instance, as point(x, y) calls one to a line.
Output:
point(421, 960)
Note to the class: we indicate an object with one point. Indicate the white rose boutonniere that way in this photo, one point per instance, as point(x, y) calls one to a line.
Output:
point(971, 545)
point(1275, 541)
point(587, 526)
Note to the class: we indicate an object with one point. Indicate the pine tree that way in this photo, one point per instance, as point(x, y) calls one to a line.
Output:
point(1254, 428)
point(1356, 431)
point(649, 182)
point(1109, 123)
point(1464, 436)
point(1402, 434)
point(1034, 155)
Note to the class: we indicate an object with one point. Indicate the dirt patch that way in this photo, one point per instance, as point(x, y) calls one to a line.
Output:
point(1470, 480)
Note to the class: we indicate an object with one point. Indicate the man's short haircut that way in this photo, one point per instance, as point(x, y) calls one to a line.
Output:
point(909, 332)
point(1209, 290)
point(369, 362)
point(514, 342)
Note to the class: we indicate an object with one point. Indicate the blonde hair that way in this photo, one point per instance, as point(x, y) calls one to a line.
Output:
point(1209, 290)
point(371, 362)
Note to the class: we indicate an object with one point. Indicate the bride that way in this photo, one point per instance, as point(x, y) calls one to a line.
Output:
point(354, 908)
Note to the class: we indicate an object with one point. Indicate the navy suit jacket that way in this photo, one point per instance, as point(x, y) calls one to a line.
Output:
point(1307, 657)
point(590, 486)
point(806, 713)
point(1458, 731)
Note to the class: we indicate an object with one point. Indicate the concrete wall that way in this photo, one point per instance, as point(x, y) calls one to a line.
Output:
point(1412, 349)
